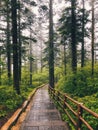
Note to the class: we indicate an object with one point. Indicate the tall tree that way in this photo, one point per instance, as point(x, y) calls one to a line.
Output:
point(73, 29)
point(8, 40)
point(51, 45)
point(19, 39)
point(15, 47)
point(31, 69)
point(93, 37)
point(82, 47)
point(73, 36)
point(0, 64)
point(65, 60)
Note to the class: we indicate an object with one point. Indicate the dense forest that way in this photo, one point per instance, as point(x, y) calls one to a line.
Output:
point(48, 41)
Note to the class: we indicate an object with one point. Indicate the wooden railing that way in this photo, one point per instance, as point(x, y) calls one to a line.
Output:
point(74, 110)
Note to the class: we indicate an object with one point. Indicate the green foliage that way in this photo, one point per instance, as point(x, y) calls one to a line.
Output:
point(37, 78)
point(10, 101)
point(25, 78)
point(5, 80)
point(92, 103)
point(40, 78)
point(84, 88)
point(79, 84)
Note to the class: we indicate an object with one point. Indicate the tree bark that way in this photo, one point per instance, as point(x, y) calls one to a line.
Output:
point(0, 67)
point(20, 43)
point(93, 37)
point(8, 42)
point(73, 36)
point(64, 59)
point(31, 69)
point(51, 46)
point(82, 48)
point(41, 60)
point(15, 47)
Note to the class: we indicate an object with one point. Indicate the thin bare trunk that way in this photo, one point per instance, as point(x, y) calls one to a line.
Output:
point(31, 69)
point(8, 42)
point(93, 37)
point(51, 46)
point(64, 59)
point(82, 48)
point(20, 43)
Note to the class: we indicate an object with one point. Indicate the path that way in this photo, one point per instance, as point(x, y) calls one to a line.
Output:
point(43, 115)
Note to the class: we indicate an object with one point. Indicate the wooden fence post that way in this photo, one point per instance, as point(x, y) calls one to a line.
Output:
point(65, 99)
point(79, 122)
point(53, 94)
point(58, 94)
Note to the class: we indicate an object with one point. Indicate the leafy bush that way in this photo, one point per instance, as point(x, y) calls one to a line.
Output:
point(25, 78)
point(40, 78)
point(5, 80)
point(90, 102)
point(10, 101)
point(37, 78)
point(80, 84)
point(84, 88)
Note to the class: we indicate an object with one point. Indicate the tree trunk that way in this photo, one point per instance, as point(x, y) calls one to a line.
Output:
point(15, 47)
point(73, 37)
point(8, 42)
point(82, 48)
point(31, 69)
point(20, 44)
point(51, 46)
point(64, 59)
point(93, 37)
point(41, 60)
point(0, 66)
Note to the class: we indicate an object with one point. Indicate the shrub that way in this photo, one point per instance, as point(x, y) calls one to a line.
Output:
point(80, 84)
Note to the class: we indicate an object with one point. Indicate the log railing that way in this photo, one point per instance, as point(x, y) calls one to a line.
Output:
point(73, 109)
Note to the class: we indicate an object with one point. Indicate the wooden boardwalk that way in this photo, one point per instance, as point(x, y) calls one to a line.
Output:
point(43, 114)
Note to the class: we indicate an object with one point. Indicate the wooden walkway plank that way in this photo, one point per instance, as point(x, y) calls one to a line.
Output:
point(43, 114)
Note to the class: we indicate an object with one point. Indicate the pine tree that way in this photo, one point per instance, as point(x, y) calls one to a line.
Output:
point(72, 30)
point(8, 40)
point(93, 36)
point(15, 47)
point(51, 46)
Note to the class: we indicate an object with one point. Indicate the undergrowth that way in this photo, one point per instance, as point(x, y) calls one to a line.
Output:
point(84, 88)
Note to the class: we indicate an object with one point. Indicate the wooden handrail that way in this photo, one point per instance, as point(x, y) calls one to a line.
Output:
point(62, 100)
